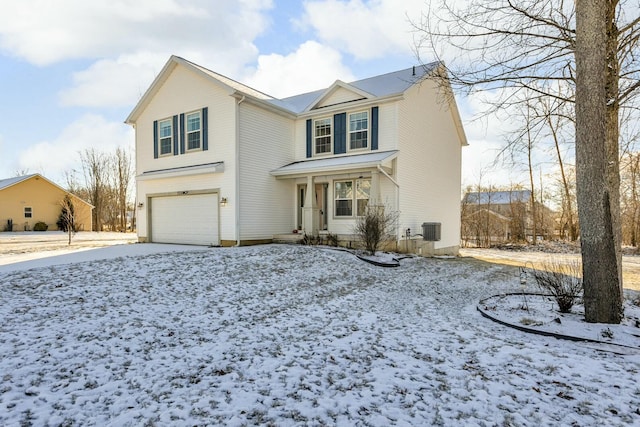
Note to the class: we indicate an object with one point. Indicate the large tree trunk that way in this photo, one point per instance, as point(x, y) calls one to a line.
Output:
point(597, 186)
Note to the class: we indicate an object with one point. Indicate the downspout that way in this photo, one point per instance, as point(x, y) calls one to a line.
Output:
point(237, 210)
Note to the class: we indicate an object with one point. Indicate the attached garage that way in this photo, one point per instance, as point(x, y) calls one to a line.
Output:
point(190, 219)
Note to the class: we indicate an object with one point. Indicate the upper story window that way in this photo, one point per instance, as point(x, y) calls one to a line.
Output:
point(28, 212)
point(165, 136)
point(358, 130)
point(322, 140)
point(193, 131)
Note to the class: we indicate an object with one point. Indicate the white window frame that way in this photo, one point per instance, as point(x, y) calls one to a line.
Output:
point(351, 131)
point(188, 132)
point(357, 199)
point(329, 120)
point(355, 184)
point(336, 199)
point(170, 137)
point(28, 212)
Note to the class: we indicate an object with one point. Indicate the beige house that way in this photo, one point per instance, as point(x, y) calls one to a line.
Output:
point(220, 163)
point(26, 200)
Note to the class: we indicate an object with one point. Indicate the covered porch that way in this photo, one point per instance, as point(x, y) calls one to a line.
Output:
point(332, 192)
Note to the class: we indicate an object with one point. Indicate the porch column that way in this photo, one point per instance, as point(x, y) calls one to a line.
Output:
point(310, 211)
point(374, 197)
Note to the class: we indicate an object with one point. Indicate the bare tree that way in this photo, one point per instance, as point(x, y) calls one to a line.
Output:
point(95, 169)
point(122, 175)
point(534, 45)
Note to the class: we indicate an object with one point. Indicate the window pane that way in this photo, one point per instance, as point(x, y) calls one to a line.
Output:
point(323, 136)
point(165, 128)
point(165, 145)
point(358, 140)
point(358, 130)
point(358, 121)
point(323, 145)
point(362, 206)
point(27, 213)
point(343, 207)
point(193, 140)
point(193, 122)
point(363, 188)
point(344, 190)
point(323, 127)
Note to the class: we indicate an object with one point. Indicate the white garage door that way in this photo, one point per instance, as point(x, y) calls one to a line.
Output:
point(188, 219)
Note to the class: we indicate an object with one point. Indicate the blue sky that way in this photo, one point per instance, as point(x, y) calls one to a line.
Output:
point(72, 70)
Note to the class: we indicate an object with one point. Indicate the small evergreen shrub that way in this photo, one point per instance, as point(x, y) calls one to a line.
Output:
point(40, 226)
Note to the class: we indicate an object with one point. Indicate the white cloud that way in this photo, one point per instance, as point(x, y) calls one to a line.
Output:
point(313, 66)
point(366, 30)
point(113, 82)
point(45, 32)
point(55, 157)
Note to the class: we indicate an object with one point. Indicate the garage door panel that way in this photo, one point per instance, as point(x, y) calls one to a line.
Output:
point(188, 219)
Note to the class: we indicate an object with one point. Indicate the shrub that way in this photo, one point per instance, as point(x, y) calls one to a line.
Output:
point(40, 226)
point(562, 280)
point(310, 239)
point(374, 226)
point(332, 239)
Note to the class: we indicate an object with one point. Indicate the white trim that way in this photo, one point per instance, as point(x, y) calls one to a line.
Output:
point(370, 160)
point(332, 130)
point(187, 132)
point(349, 131)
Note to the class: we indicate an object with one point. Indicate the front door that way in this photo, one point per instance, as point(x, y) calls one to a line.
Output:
point(301, 195)
point(321, 201)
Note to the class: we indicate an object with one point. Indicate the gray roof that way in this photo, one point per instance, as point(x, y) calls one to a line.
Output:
point(393, 83)
point(497, 197)
point(8, 182)
point(336, 163)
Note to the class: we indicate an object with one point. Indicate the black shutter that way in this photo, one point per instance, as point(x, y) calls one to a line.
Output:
point(155, 139)
point(374, 128)
point(205, 129)
point(175, 135)
point(309, 138)
point(340, 133)
point(182, 133)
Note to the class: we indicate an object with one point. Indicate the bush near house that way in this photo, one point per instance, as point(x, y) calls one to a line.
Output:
point(40, 226)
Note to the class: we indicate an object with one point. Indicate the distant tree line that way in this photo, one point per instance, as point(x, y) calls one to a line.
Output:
point(106, 181)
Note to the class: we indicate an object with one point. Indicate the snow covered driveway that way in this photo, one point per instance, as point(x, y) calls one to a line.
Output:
point(288, 335)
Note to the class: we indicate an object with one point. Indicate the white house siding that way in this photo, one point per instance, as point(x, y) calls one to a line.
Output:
point(388, 126)
point(429, 164)
point(338, 96)
point(265, 202)
point(185, 91)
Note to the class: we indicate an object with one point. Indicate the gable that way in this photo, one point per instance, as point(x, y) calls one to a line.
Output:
point(339, 95)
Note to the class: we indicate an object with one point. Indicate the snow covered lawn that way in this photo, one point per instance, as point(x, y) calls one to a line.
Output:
point(288, 335)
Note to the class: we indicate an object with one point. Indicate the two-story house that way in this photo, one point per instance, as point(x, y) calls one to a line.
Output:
point(220, 163)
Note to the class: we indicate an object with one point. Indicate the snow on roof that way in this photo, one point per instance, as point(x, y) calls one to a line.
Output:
point(497, 197)
point(336, 163)
point(8, 182)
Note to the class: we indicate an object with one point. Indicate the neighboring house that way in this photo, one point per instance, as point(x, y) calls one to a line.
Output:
point(490, 217)
point(220, 163)
point(25, 200)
